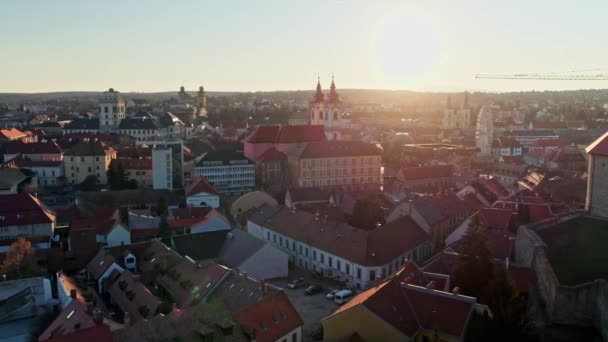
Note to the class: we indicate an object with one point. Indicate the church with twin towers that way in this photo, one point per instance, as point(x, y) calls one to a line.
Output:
point(327, 110)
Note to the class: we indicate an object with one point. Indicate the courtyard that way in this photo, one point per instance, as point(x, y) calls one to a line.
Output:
point(577, 249)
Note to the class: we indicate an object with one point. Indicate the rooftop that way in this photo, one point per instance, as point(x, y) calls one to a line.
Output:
point(329, 149)
point(286, 134)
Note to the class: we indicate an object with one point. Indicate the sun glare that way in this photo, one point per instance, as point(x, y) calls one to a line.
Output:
point(405, 47)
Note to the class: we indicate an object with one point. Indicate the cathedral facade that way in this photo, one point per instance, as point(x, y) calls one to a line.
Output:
point(327, 110)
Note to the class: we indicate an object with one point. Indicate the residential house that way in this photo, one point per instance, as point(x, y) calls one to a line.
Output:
point(227, 171)
point(410, 306)
point(340, 164)
point(597, 183)
point(23, 215)
point(507, 173)
point(337, 250)
point(424, 178)
point(506, 147)
point(11, 134)
point(272, 168)
point(107, 225)
point(200, 193)
point(172, 128)
point(486, 190)
point(47, 172)
point(101, 267)
point(138, 170)
point(133, 298)
point(566, 158)
point(16, 181)
point(88, 202)
point(197, 220)
point(438, 215)
point(306, 196)
point(88, 158)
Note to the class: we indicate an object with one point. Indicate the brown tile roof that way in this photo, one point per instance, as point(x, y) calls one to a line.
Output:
point(199, 185)
point(48, 147)
point(331, 149)
point(365, 247)
point(23, 209)
point(286, 134)
point(73, 318)
point(11, 134)
point(100, 263)
point(133, 297)
point(271, 318)
point(98, 333)
point(496, 218)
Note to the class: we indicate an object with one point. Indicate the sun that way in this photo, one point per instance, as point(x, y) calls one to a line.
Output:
point(405, 47)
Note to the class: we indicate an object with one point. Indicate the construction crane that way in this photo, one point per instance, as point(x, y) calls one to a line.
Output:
point(554, 76)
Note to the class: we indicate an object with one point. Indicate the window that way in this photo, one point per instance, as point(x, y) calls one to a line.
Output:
point(268, 236)
point(358, 273)
point(274, 238)
point(306, 251)
point(347, 268)
point(338, 265)
point(294, 337)
point(280, 241)
point(314, 255)
point(322, 257)
point(372, 275)
point(330, 262)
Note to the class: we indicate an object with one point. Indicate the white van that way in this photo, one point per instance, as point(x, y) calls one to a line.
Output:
point(343, 296)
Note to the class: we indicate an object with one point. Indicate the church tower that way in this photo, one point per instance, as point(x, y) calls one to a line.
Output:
point(201, 102)
point(327, 111)
point(112, 109)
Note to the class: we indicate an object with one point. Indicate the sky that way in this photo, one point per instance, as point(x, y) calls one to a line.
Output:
point(266, 45)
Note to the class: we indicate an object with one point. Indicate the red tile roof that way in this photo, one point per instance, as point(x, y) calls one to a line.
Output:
point(199, 185)
point(271, 318)
point(500, 244)
point(549, 143)
point(190, 212)
point(496, 218)
point(286, 134)
point(539, 211)
point(135, 164)
point(73, 318)
point(330, 149)
point(143, 233)
point(426, 172)
point(472, 201)
point(98, 333)
point(19, 147)
point(23, 209)
point(271, 154)
point(494, 186)
point(11, 134)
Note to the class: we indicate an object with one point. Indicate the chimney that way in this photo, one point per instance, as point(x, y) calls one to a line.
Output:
point(73, 293)
point(126, 320)
point(456, 290)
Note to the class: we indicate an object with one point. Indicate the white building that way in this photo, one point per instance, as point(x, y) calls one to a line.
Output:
point(202, 194)
point(597, 180)
point(227, 171)
point(112, 109)
point(484, 131)
point(337, 250)
point(162, 168)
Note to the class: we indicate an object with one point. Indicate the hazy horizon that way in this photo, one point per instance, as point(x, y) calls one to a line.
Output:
point(68, 45)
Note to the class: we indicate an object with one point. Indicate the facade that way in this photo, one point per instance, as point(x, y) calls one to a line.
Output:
point(271, 168)
point(22, 215)
point(48, 173)
point(168, 164)
point(36, 151)
point(337, 250)
point(140, 128)
point(138, 170)
point(201, 194)
point(424, 178)
point(506, 147)
point(456, 117)
point(88, 158)
point(327, 111)
point(82, 125)
point(597, 177)
point(112, 109)
point(290, 140)
point(227, 171)
point(340, 164)
point(529, 137)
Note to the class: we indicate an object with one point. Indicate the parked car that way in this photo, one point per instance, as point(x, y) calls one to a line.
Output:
point(313, 289)
point(331, 294)
point(343, 296)
point(294, 284)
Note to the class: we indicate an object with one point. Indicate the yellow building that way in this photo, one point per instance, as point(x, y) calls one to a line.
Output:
point(88, 158)
point(411, 306)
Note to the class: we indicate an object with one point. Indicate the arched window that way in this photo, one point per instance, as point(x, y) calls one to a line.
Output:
point(321, 115)
point(335, 115)
point(312, 116)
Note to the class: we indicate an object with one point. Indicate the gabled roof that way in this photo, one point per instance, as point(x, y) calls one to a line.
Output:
point(23, 209)
point(10, 177)
point(135, 164)
point(496, 218)
point(133, 297)
point(200, 185)
point(48, 147)
point(201, 246)
point(271, 318)
point(73, 318)
point(271, 154)
point(599, 147)
point(238, 247)
point(138, 123)
point(90, 148)
point(11, 134)
point(331, 149)
point(286, 134)
point(303, 195)
point(100, 263)
point(83, 123)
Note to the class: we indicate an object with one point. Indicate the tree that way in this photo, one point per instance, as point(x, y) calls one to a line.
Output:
point(20, 261)
point(474, 267)
point(161, 206)
point(367, 213)
point(89, 183)
point(164, 231)
point(117, 177)
point(508, 307)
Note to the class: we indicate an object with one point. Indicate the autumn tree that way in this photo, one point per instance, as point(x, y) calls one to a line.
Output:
point(474, 267)
point(20, 261)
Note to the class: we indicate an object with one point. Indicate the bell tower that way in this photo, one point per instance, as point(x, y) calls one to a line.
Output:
point(317, 106)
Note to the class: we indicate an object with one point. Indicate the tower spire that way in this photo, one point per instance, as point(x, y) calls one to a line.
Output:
point(333, 95)
point(318, 94)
